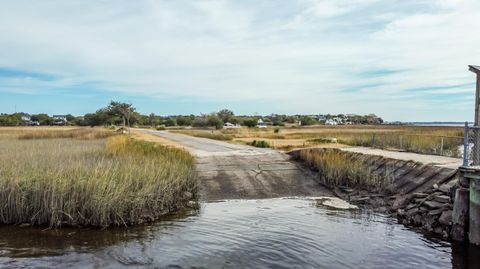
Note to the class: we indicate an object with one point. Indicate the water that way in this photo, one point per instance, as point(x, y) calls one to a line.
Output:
point(274, 233)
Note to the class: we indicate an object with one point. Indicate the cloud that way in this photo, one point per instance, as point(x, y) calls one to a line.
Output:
point(301, 56)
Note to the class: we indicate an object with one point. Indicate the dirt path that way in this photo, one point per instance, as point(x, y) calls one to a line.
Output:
point(229, 171)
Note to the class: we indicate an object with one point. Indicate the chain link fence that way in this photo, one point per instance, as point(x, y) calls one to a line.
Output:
point(471, 146)
point(450, 146)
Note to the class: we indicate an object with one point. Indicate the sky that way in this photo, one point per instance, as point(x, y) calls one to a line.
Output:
point(403, 60)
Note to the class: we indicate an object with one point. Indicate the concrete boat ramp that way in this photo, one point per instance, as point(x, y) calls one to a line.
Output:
point(230, 171)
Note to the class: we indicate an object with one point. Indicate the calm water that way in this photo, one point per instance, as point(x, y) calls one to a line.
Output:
point(275, 233)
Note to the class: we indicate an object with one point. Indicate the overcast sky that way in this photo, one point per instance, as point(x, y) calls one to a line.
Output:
point(403, 60)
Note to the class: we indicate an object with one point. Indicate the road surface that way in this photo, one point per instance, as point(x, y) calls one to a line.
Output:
point(229, 171)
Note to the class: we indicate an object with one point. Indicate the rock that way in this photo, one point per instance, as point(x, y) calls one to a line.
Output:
point(420, 195)
point(442, 199)
point(435, 186)
point(446, 188)
point(446, 217)
point(382, 209)
point(410, 206)
point(438, 230)
point(433, 204)
point(400, 213)
point(400, 202)
point(436, 211)
point(413, 211)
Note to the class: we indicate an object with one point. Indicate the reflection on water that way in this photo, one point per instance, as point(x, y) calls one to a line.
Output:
point(274, 233)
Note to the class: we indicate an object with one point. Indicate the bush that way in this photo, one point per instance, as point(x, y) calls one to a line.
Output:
point(276, 130)
point(161, 128)
point(260, 144)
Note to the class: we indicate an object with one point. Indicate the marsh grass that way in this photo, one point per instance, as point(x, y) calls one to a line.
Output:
point(338, 168)
point(420, 139)
point(78, 133)
point(117, 181)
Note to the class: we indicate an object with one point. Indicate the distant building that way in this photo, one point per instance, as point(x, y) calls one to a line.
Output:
point(331, 122)
point(261, 124)
point(59, 119)
point(229, 125)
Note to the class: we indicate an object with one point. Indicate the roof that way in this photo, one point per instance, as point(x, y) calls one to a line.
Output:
point(474, 68)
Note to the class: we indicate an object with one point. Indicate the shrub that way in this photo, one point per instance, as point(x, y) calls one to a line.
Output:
point(161, 128)
point(259, 144)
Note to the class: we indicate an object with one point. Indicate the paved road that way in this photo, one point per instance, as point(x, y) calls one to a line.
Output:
point(440, 161)
point(229, 171)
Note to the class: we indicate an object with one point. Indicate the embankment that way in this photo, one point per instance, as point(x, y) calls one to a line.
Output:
point(419, 195)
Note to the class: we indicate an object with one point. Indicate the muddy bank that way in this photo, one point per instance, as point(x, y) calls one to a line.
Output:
point(418, 195)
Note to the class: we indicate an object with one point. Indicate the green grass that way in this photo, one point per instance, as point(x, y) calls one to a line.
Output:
point(259, 144)
point(98, 182)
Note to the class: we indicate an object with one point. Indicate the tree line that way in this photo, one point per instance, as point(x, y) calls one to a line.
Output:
point(124, 114)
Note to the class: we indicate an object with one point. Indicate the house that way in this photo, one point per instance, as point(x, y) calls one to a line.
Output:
point(331, 122)
point(27, 120)
point(261, 124)
point(229, 125)
point(59, 119)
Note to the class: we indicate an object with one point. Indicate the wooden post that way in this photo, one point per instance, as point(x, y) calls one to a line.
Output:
point(460, 215)
point(476, 134)
point(474, 208)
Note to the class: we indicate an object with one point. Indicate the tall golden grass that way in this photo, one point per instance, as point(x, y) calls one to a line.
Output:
point(421, 139)
point(70, 182)
point(337, 168)
point(78, 133)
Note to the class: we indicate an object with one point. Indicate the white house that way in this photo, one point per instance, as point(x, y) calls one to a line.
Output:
point(59, 119)
point(229, 125)
point(261, 124)
point(330, 122)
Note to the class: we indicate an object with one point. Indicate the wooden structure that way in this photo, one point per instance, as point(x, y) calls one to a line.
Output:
point(466, 209)
point(476, 69)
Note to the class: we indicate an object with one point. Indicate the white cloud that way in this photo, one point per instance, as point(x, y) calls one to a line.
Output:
point(303, 56)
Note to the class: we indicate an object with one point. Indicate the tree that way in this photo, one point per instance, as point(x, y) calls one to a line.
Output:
point(170, 122)
point(152, 119)
point(43, 119)
point(123, 110)
point(226, 115)
point(250, 122)
point(214, 120)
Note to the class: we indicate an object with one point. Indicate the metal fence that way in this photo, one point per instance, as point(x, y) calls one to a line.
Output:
point(450, 146)
point(471, 145)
